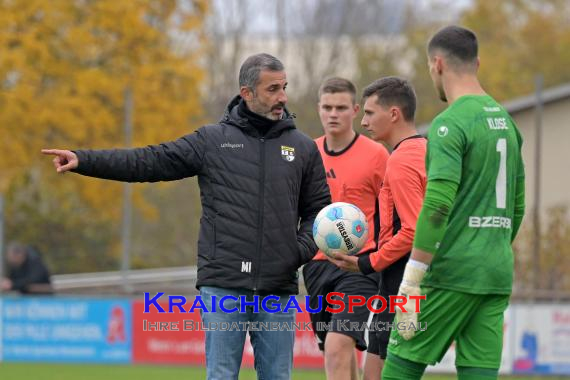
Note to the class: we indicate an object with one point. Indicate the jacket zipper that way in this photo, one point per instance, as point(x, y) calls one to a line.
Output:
point(260, 214)
point(214, 228)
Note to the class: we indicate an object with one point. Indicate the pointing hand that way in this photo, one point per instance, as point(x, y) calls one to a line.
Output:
point(64, 159)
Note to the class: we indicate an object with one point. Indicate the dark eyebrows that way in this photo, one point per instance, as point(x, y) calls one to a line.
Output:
point(339, 106)
point(276, 85)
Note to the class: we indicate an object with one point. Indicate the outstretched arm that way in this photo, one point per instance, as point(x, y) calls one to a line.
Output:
point(164, 162)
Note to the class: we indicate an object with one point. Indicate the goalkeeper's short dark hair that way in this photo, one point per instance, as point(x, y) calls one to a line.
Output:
point(458, 44)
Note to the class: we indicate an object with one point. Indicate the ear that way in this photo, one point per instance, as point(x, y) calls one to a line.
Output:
point(395, 114)
point(246, 93)
point(356, 108)
point(439, 64)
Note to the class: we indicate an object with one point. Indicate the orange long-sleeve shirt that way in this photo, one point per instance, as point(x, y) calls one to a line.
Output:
point(401, 199)
point(355, 175)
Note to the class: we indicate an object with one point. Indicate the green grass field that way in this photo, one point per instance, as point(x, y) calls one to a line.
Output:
point(33, 371)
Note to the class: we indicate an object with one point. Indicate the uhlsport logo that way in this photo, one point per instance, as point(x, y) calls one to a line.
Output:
point(287, 153)
point(231, 145)
point(442, 131)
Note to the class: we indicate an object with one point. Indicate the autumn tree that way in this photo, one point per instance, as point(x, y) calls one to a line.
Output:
point(64, 69)
point(519, 39)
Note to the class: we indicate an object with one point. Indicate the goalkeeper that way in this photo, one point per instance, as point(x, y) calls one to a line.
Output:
point(474, 204)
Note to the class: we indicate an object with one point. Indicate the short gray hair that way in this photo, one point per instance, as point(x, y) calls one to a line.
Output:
point(252, 66)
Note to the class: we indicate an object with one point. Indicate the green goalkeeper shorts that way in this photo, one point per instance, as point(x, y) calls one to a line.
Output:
point(473, 321)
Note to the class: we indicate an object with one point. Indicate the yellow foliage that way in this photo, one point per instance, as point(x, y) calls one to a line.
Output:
point(64, 68)
point(519, 39)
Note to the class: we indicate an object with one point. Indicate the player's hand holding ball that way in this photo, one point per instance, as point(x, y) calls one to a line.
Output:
point(340, 227)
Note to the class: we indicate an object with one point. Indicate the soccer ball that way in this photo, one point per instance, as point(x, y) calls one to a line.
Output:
point(340, 226)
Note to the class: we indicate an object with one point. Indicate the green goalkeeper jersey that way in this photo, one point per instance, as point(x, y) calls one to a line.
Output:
point(476, 144)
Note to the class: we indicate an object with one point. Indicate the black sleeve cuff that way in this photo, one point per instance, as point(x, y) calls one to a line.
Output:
point(365, 265)
point(306, 254)
point(80, 160)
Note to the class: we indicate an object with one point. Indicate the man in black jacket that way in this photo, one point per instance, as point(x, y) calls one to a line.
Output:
point(26, 271)
point(262, 183)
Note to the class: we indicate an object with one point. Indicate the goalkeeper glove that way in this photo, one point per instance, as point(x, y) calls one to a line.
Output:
point(410, 286)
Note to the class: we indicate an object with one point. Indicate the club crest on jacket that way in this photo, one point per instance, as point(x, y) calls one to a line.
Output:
point(287, 153)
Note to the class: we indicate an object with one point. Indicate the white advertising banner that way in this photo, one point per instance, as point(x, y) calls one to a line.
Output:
point(542, 339)
point(536, 341)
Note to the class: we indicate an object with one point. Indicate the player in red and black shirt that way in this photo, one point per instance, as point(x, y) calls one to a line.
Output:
point(389, 110)
point(355, 168)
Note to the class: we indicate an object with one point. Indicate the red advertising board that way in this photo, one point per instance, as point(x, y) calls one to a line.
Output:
point(187, 347)
point(176, 347)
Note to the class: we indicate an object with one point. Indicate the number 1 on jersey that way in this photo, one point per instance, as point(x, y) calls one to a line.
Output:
point(501, 183)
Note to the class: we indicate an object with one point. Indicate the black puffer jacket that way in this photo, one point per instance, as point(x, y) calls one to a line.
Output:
point(33, 271)
point(259, 196)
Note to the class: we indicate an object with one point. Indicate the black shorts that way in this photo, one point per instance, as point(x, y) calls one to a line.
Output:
point(389, 285)
point(322, 277)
